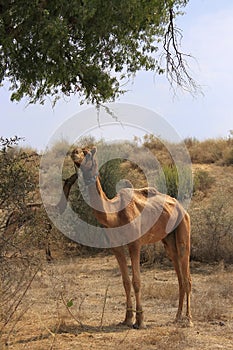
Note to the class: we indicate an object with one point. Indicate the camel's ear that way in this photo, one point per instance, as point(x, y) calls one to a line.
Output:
point(93, 151)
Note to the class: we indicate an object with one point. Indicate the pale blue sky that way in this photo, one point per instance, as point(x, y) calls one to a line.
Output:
point(207, 34)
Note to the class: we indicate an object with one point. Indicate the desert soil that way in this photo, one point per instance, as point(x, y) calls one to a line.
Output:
point(77, 303)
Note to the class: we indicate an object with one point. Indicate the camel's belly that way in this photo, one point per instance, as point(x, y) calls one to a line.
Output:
point(153, 236)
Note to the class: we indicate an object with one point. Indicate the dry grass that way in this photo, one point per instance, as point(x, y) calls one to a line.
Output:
point(209, 151)
point(77, 303)
point(161, 290)
point(212, 301)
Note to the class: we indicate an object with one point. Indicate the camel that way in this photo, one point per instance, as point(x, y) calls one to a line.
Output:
point(172, 227)
point(68, 183)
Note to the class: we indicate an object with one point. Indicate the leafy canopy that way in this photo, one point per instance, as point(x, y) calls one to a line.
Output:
point(86, 46)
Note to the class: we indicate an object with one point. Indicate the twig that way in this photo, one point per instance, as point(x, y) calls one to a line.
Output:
point(23, 312)
point(122, 340)
point(71, 314)
point(110, 112)
point(105, 299)
point(19, 301)
point(54, 334)
point(176, 66)
point(80, 305)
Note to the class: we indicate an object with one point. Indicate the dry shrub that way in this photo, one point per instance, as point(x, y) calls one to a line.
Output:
point(223, 283)
point(210, 151)
point(208, 307)
point(136, 177)
point(151, 254)
point(212, 301)
point(202, 181)
point(212, 230)
point(228, 156)
point(163, 291)
point(17, 275)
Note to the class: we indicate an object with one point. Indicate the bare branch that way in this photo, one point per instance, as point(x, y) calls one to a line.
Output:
point(6, 142)
point(176, 64)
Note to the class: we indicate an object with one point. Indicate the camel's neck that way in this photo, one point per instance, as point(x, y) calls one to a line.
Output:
point(102, 198)
point(104, 208)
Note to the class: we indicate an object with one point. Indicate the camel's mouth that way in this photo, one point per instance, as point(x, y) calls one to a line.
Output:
point(77, 164)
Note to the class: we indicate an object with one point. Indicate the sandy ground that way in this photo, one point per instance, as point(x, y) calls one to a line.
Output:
point(77, 304)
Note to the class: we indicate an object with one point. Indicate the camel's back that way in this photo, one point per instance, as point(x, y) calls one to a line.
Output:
point(161, 214)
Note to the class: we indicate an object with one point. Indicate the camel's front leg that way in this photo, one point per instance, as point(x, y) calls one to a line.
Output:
point(120, 256)
point(134, 251)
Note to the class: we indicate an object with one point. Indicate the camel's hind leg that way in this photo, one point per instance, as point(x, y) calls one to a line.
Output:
point(182, 234)
point(177, 245)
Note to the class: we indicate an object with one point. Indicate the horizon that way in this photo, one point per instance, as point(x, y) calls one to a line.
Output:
point(136, 140)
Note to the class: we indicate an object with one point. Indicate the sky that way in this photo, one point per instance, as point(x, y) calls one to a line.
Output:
point(207, 28)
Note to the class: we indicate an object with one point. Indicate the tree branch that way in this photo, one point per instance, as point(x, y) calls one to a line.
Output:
point(176, 65)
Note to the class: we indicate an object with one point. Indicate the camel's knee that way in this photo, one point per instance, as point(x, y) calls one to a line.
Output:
point(183, 249)
point(186, 281)
point(136, 286)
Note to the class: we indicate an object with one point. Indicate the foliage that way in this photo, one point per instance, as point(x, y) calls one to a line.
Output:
point(6, 142)
point(212, 230)
point(18, 184)
point(228, 156)
point(217, 151)
point(170, 185)
point(18, 180)
point(15, 175)
point(202, 181)
point(87, 46)
point(153, 143)
point(168, 181)
point(110, 175)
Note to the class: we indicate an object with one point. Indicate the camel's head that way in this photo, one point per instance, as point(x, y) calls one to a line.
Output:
point(85, 160)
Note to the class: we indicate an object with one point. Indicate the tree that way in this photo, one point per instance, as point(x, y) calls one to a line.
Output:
point(87, 46)
point(18, 178)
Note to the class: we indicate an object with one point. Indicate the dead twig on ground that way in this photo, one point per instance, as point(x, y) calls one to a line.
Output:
point(69, 311)
point(105, 299)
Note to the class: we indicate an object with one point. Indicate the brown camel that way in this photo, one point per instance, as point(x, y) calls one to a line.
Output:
point(171, 226)
point(68, 183)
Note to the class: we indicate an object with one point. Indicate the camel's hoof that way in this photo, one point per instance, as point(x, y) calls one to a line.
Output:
point(141, 326)
point(189, 323)
point(185, 322)
point(125, 324)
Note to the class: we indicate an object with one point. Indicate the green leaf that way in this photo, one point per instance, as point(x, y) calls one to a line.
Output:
point(70, 303)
